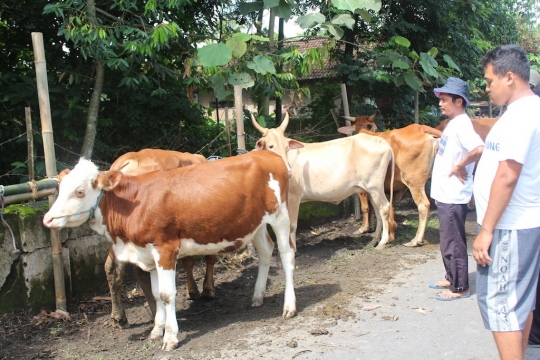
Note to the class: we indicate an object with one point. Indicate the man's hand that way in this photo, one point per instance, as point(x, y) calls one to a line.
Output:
point(481, 248)
point(460, 172)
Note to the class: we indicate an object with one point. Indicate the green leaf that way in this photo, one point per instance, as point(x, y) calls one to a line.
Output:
point(400, 40)
point(249, 7)
point(343, 20)
point(283, 10)
point(413, 82)
point(260, 38)
point(429, 60)
point(310, 20)
point(451, 62)
point(364, 14)
point(238, 47)
point(352, 5)
point(433, 52)
point(214, 55)
point(334, 30)
point(400, 64)
point(393, 56)
point(428, 69)
point(262, 65)
point(414, 55)
point(221, 93)
point(270, 3)
point(242, 79)
point(18, 164)
point(241, 36)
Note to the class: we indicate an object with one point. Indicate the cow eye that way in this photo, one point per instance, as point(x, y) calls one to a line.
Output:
point(79, 193)
point(271, 146)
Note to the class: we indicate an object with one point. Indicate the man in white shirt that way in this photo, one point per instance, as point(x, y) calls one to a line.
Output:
point(507, 196)
point(452, 185)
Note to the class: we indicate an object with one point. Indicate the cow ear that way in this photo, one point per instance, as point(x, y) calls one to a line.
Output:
point(109, 180)
point(260, 144)
point(371, 127)
point(63, 174)
point(293, 144)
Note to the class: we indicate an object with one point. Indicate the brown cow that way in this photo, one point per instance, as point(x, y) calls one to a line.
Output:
point(157, 217)
point(137, 163)
point(414, 147)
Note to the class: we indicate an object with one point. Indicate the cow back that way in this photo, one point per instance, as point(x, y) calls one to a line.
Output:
point(146, 160)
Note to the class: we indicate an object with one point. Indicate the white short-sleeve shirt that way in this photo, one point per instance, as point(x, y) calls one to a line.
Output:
point(457, 140)
point(515, 136)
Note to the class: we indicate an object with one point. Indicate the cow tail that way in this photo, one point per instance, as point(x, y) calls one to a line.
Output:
point(391, 222)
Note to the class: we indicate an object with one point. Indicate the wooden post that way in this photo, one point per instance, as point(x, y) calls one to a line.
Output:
point(30, 142)
point(239, 111)
point(228, 130)
point(50, 162)
point(345, 101)
point(416, 110)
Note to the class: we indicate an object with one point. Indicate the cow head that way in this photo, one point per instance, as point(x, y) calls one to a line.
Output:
point(79, 193)
point(275, 140)
point(363, 122)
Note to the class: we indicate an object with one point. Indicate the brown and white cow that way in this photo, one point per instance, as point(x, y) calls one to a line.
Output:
point(154, 218)
point(415, 147)
point(137, 163)
point(333, 170)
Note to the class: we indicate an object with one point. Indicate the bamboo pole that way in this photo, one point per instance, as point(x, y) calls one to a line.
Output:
point(28, 187)
point(17, 198)
point(50, 163)
point(228, 131)
point(30, 142)
point(345, 101)
point(239, 111)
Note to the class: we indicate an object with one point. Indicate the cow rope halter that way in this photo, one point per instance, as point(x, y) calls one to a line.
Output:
point(91, 210)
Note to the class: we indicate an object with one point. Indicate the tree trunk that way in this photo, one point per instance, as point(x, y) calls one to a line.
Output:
point(416, 111)
point(93, 106)
point(93, 110)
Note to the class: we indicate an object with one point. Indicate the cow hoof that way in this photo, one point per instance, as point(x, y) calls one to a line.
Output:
point(413, 244)
point(169, 345)
point(157, 333)
point(209, 294)
point(287, 314)
point(361, 231)
point(256, 302)
point(120, 324)
point(194, 295)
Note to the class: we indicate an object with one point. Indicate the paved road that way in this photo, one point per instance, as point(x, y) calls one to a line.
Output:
point(424, 328)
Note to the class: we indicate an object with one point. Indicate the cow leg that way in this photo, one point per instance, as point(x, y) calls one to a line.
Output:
point(165, 276)
point(191, 284)
point(420, 198)
point(364, 206)
point(143, 277)
point(286, 251)
point(381, 207)
point(209, 291)
point(115, 271)
point(264, 252)
point(159, 320)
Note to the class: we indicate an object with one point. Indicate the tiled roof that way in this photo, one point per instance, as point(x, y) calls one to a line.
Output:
point(316, 73)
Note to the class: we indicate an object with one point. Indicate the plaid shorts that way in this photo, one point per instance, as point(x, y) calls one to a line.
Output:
point(506, 289)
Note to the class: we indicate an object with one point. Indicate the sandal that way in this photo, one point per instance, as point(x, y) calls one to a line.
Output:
point(438, 285)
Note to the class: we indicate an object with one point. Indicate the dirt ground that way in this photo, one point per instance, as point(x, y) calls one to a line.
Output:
point(331, 268)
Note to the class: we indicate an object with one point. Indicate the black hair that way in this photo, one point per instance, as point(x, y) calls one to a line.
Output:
point(506, 58)
point(455, 97)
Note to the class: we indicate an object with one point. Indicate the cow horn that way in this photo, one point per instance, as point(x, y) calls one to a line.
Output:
point(350, 118)
point(261, 129)
point(284, 123)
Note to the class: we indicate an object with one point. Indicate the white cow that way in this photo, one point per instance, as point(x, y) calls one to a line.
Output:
point(333, 170)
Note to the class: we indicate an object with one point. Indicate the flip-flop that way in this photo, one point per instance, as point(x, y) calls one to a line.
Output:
point(462, 296)
point(434, 285)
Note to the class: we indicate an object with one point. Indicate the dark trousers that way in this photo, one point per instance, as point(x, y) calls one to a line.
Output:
point(454, 244)
point(534, 336)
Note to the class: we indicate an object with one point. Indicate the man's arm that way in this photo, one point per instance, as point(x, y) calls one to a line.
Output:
point(502, 188)
point(459, 169)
